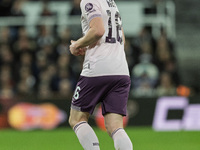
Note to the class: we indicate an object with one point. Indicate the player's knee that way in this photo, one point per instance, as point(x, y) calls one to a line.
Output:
point(110, 128)
point(72, 122)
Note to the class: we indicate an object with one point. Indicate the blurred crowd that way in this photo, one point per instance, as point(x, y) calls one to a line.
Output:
point(152, 64)
point(31, 66)
point(41, 64)
point(43, 67)
point(14, 8)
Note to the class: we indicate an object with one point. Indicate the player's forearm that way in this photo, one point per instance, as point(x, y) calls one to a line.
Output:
point(90, 39)
point(92, 36)
point(96, 31)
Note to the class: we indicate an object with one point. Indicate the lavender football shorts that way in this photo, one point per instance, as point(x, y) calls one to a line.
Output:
point(111, 91)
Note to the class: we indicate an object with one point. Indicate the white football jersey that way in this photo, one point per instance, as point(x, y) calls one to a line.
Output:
point(108, 56)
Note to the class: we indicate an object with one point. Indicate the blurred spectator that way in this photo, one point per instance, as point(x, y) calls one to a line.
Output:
point(75, 10)
point(166, 86)
point(64, 71)
point(49, 52)
point(26, 81)
point(163, 56)
point(22, 33)
point(6, 80)
point(6, 55)
point(144, 77)
point(44, 92)
point(26, 59)
point(45, 10)
point(5, 35)
point(144, 43)
point(164, 50)
point(52, 70)
point(23, 42)
point(171, 67)
point(63, 42)
point(63, 61)
point(65, 89)
point(45, 77)
point(17, 8)
point(45, 36)
point(41, 63)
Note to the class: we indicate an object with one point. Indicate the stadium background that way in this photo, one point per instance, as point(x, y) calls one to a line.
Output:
point(38, 74)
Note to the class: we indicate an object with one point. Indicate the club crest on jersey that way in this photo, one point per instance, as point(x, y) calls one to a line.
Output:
point(88, 7)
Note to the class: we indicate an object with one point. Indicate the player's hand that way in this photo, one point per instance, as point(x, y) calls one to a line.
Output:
point(75, 51)
point(82, 51)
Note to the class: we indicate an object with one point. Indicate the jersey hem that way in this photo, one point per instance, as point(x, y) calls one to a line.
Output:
point(99, 75)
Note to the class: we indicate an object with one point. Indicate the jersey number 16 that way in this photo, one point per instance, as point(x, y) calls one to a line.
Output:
point(109, 38)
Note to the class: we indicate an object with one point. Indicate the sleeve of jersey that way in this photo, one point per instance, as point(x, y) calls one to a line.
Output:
point(90, 9)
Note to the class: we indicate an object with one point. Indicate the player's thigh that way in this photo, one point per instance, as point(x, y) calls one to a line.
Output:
point(113, 121)
point(77, 116)
point(116, 100)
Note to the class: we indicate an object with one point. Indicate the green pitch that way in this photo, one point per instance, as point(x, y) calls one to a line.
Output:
point(65, 139)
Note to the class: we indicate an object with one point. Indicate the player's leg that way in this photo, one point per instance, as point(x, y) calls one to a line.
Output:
point(83, 103)
point(112, 122)
point(77, 116)
point(87, 137)
point(114, 108)
point(114, 126)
